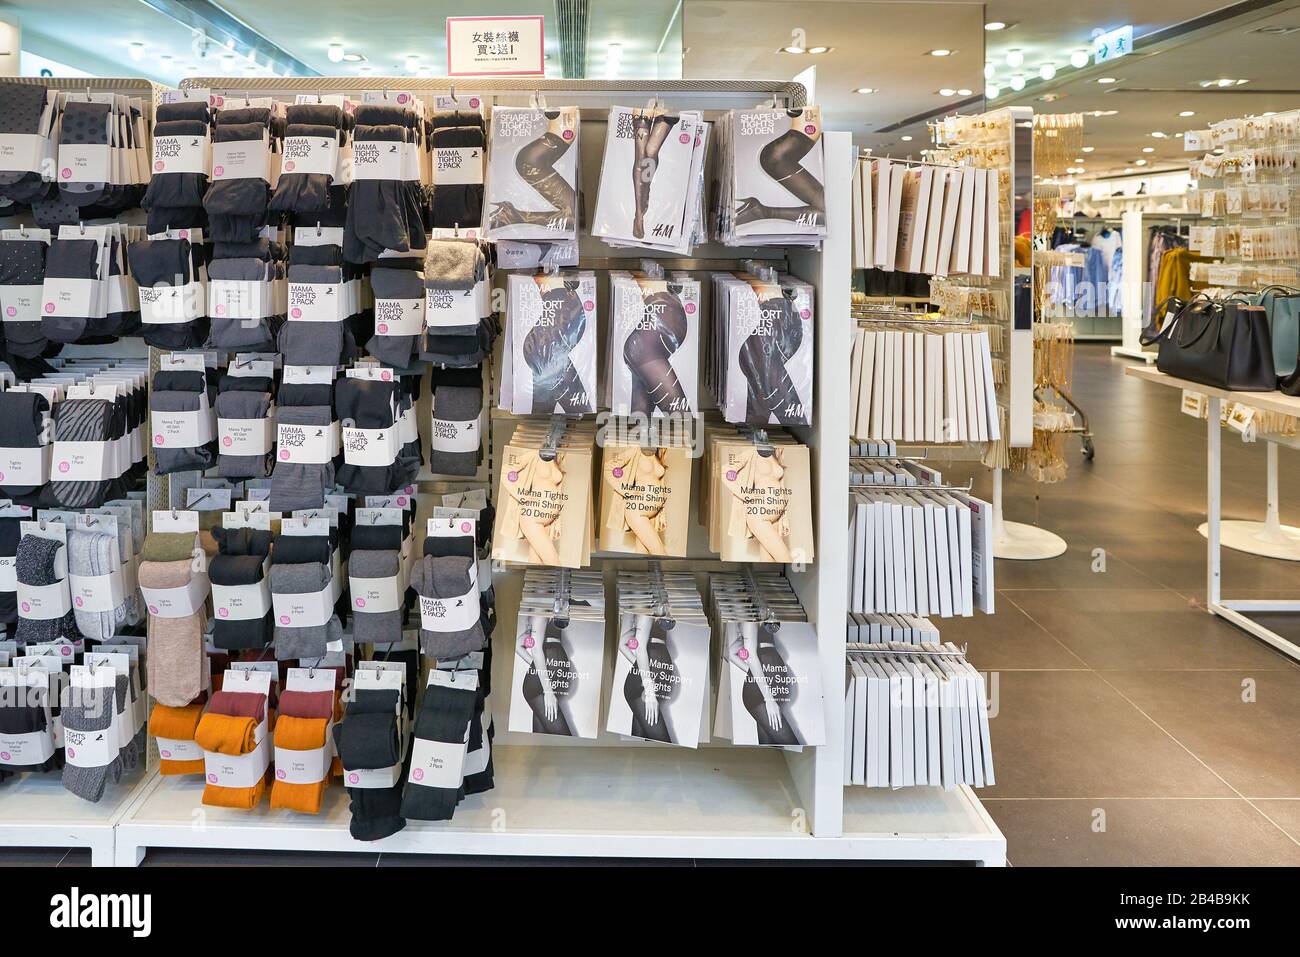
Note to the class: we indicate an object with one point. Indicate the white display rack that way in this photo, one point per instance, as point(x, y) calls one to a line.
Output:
point(598, 803)
point(37, 811)
point(604, 799)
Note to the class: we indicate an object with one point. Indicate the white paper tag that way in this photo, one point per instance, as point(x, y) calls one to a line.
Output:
point(239, 299)
point(179, 602)
point(22, 152)
point(90, 749)
point(43, 602)
point(375, 596)
point(34, 747)
point(317, 302)
point(436, 764)
point(245, 436)
point(302, 767)
point(374, 447)
point(96, 592)
point(450, 307)
point(177, 749)
point(243, 159)
point(449, 614)
point(242, 602)
point(310, 154)
point(180, 154)
point(25, 466)
point(8, 574)
point(165, 305)
point(454, 165)
point(377, 160)
point(308, 610)
point(398, 317)
point(447, 436)
point(85, 163)
point(69, 297)
point(82, 461)
point(238, 770)
point(181, 430)
point(306, 444)
point(23, 303)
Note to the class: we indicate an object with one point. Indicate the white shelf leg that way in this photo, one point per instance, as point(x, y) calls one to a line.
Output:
point(1213, 440)
point(1018, 541)
point(1269, 538)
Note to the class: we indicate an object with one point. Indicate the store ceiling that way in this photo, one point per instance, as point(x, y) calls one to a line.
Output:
point(877, 45)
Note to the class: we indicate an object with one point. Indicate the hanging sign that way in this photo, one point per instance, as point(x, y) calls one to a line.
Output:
point(496, 46)
point(1113, 45)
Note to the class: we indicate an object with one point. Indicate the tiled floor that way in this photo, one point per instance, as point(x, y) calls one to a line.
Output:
point(1131, 727)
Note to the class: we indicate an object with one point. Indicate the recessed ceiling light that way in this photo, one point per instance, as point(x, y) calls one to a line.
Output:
point(1129, 169)
point(1141, 163)
point(1015, 58)
point(965, 92)
point(1218, 150)
point(947, 91)
point(990, 71)
point(792, 49)
point(335, 52)
point(1079, 159)
point(1268, 113)
point(412, 63)
point(1187, 113)
point(1159, 135)
point(353, 57)
point(1017, 83)
point(1079, 59)
point(995, 25)
point(136, 50)
point(866, 89)
point(941, 52)
point(906, 139)
point(1106, 79)
point(992, 91)
point(1148, 149)
point(817, 50)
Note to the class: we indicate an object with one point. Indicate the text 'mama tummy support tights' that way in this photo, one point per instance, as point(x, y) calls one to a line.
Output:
point(781, 160)
point(547, 349)
point(562, 675)
point(770, 390)
point(777, 673)
point(646, 351)
point(651, 134)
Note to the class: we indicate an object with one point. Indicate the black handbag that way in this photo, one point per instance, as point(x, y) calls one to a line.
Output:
point(1223, 344)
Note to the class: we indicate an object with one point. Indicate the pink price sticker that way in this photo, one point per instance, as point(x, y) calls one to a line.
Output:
point(220, 310)
point(401, 500)
point(49, 307)
point(65, 466)
point(589, 305)
point(403, 98)
point(26, 606)
point(159, 166)
point(217, 100)
point(2, 476)
point(80, 602)
point(513, 476)
point(474, 102)
point(690, 309)
point(66, 173)
point(684, 138)
point(528, 641)
point(810, 129)
point(567, 134)
point(805, 313)
point(227, 441)
point(280, 774)
point(618, 473)
point(158, 439)
point(67, 651)
point(163, 752)
point(353, 778)
point(212, 779)
point(382, 327)
point(386, 376)
point(289, 166)
point(361, 603)
point(223, 612)
point(731, 475)
point(417, 774)
point(72, 752)
point(218, 170)
point(11, 311)
point(284, 619)
point(185, 234)
point(296, 312)
point(5, 756)
point(153, 609)
point(284, 455)
point(743, 654)
point(464, 527)
point(633, 644)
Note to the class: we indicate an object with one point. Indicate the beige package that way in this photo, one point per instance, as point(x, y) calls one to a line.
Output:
point(764, 509)
point(645, 495)
point(545, 507)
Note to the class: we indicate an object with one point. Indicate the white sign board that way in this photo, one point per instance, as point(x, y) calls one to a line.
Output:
point(496, 46)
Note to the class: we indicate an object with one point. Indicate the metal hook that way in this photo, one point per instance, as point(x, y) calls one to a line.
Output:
point(453, 94)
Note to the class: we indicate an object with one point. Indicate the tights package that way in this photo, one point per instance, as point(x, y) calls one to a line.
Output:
point(532, 181)
point(653, 348)
point(771, 178)
point(550, 349)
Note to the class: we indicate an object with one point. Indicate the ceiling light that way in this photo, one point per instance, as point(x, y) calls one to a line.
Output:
point(1141, 163)
point(335, 52)
point(1187, 113)
point(412, 63)
point(995, 25)
point(1079, 59)
point(1129, 169)
point(1047, 71)
point(1088, 149)
point(990, 71)
point(136, 50)
point(947, 91)
point(1218, 150)
point(793, 49)
point(965, 92)
point(992, 92)
point(816, 50)
point(1079, 159)
point(942, 52)
point(353, 57)
point(1015, 58)
point(1017, 83)
point(1268, 113)
point(866, 89)
point(1148, 149)
point(1159, 135)
point(906, 139)
point(1106, 79)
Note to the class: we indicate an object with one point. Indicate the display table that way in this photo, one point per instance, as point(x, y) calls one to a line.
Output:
point(1234, 610)
point(726, 803)
point(37, 811)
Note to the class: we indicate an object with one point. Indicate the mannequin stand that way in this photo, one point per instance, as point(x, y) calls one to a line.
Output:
point(1018, 541)
point(1269, 538)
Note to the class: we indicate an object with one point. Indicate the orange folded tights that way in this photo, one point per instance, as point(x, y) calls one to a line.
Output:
point(299, 734)
point(179, 724)
point(232, 734)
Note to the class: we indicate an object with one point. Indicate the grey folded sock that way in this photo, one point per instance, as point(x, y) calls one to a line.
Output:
point(93, 554)
point(240, 270)
point(455, 403)
point(316, 274)
point(453, 264)
point(243, 405)
point(296, 485)
point(89, 710)
point(402, 284)
point(369, 626)
point(447, 577)
point(127, 755)
point(305, 343)
point(310, 642)
point(168, 460)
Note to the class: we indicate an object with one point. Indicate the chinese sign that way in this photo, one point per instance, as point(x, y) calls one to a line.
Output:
point(1113, 45)
point(495, 46)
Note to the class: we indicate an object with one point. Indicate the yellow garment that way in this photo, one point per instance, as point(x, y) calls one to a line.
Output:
point(1024, 251)
point(1175, 276)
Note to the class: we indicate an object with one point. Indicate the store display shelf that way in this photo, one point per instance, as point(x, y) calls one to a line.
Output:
point(578, 802)
point(37, 811)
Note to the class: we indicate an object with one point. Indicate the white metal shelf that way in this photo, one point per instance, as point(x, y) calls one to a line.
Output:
point(37, 811)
